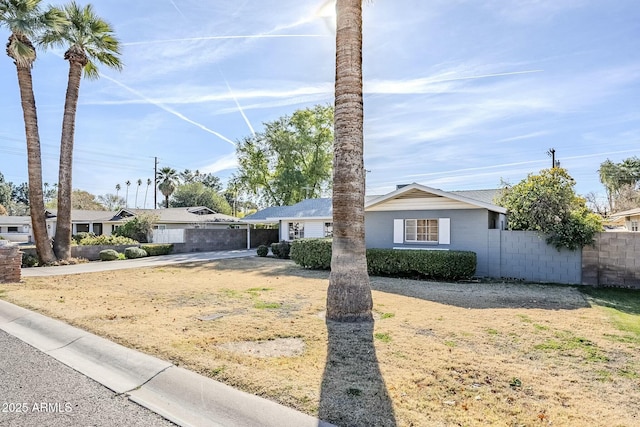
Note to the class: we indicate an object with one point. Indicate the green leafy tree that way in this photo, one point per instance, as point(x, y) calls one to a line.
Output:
point(198, 194)
point(82, 200)
point(5, 191)
point(25, 20)
point(89, 41)
point(291, 159)
point(620, 181)
point(139, 228)
point(547, 203)
point(167, 180)
point(111, 202)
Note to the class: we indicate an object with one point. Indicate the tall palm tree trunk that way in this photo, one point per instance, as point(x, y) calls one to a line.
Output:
point(34, 162)
point(62, 241)
point(349, 293)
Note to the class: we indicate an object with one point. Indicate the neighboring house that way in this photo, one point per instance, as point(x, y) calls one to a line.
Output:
point(105, 222)
point(411, 217)
point(15, 228)
point(625, 221)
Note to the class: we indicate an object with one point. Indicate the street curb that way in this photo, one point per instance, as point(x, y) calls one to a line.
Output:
point(181, 396)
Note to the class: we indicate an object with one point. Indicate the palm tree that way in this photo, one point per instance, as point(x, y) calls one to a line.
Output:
point(167, 180)
point(89, 41)
point(127, 183)
point(146, 191)
point(24, 20)
point(349, 293)
point(118, 188)
point(139, 181)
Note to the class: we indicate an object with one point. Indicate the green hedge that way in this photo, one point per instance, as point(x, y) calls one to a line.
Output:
point(87, 239)
point(426, 264)
point(312, 253)
point(157, 248)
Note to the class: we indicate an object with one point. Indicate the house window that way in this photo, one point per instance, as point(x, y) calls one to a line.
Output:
point(421, 230)
point(162, 227)
point(114, 227)
point(82, 228)
point(634, 225)
point(296, 230)
point(12, 229)
point(328, 229)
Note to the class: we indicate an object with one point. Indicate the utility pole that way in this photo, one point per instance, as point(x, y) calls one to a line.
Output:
point(552, 153)
point(155, 183)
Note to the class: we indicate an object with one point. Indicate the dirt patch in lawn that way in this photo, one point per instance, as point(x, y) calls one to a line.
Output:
point(437, 354)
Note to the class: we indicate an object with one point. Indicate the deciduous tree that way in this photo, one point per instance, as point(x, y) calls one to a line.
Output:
point(291, 159)
point(547, 203)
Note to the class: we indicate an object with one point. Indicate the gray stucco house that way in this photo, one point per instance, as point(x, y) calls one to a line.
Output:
point(411, 217)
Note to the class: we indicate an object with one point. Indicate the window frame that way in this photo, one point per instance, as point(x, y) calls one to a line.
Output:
point(295, 230)
point(430, 229)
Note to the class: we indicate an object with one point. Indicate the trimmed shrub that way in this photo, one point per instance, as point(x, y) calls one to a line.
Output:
point(156, 249)
point(135, 252)
point(423, 264)
point(275, 249)
point(109, 255)
point(448, 265)
point(262, 250)
point(82, 235)
point(284, 248)
point(29, 260)
point(312, 253)
point(106, 240)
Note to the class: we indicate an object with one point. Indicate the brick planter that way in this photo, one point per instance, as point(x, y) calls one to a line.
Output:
point(10, 263)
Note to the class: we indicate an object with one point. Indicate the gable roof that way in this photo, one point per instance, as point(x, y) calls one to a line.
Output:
point(178, 215)
point(323, 208)
point(170, 215)
point(473, 198)
point(630, 212)
point(308, 208)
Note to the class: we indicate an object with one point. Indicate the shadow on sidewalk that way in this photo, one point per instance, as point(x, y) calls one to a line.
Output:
point(353, 391)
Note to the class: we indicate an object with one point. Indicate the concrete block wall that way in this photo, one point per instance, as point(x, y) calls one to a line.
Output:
point(10, 264)
point(614, 260)
point(524, 255)
point(203, 240)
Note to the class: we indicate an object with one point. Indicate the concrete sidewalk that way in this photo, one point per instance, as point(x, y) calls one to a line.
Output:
point(179, 395)
point(154, 261)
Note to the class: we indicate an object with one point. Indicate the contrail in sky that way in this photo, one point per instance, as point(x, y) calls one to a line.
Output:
point(179, 11)
point(169, 110)
point(254, 36)
point(484, 76)
point(244, 116)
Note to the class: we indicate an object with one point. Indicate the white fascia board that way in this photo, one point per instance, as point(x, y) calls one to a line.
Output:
point(437, 192)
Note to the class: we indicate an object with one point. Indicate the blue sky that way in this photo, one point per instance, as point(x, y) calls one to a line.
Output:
point(459, 94)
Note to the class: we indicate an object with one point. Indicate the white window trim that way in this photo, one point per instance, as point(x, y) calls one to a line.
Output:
point(444, 232)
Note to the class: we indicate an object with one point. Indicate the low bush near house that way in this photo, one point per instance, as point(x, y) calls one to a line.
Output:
point(157, 248)
point(425, 264)
point(135, 252)
point(29, 260)
point(449, 265)
point(77, 238)
point(262, 250)
point(106, 240)
point(109, 255)
point(312, 253)
point(281, 250)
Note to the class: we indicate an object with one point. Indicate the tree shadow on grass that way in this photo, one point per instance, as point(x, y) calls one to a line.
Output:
point(353, 392)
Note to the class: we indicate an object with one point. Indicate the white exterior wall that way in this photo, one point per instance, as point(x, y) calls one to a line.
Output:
point(312, 228)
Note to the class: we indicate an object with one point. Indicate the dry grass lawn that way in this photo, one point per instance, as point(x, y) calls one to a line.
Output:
point(439, 354)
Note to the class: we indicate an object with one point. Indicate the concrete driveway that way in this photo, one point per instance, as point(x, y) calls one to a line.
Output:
point(155, 261)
